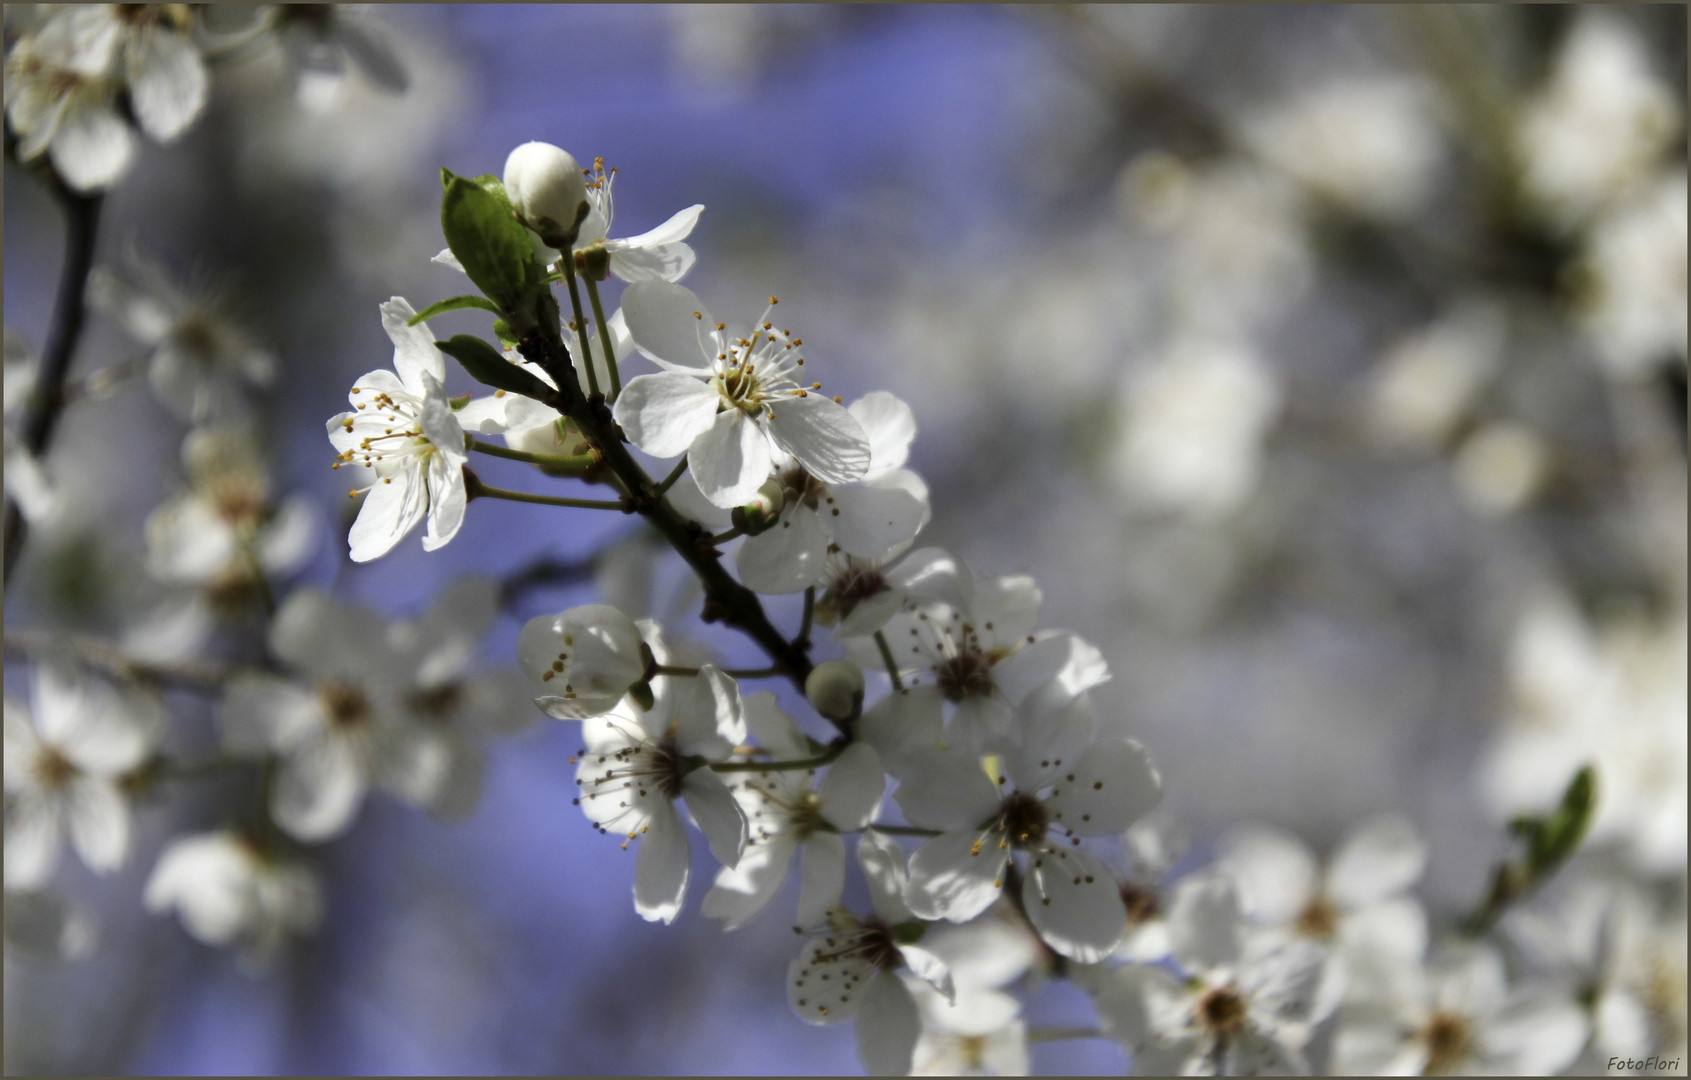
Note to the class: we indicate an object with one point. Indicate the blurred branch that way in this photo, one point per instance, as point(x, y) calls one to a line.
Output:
point(186, 675)
point(547, 570)
point(47, 402)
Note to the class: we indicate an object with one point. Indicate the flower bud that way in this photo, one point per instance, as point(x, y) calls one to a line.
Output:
point(547, 191)
point(835, 689)
point(761, 514)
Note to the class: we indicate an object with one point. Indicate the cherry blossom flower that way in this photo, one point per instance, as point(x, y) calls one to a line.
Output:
point(527, 424)
point(342, 729)
point(728, 401)
point(859, 595)
point(65, 764)
point(784, 816)
point(200, 359)
point(873, 519)
point(402, 426)
point(657, 255)
point(1061, 784)
point(979, 1030)
point(62, 81)
point(638, 762)
point(588, 656)
point(230, 891)
point(1245, 1006)
point(852, 971)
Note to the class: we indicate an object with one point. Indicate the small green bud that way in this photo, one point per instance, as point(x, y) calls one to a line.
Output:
point(909, 933)
point(594, 262)
point(835, 689)
point(548, 191)
point(458, 402)
point(763, 512)
point(641, 692)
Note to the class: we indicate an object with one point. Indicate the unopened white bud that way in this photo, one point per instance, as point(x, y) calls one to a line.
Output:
point(835, 689)
point(547, 190)
point(761, 514)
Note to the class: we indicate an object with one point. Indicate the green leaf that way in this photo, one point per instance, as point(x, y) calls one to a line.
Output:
point(487, 366)
point(1557, 837)
point(493, 247)
point(502, 331)
point(453, 304)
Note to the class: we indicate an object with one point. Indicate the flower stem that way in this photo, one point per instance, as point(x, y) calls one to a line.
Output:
point(737, 673)
point(904, 830)
point(480, 489)
point(47, 402)
point(886, 658)
point(604, 339)
point(803, 640)
point(550, 461)
point(568, 263)
point(727, 535)
point(184, 674)
point(816, 762)
point(1059, 1034)
point(674, 475)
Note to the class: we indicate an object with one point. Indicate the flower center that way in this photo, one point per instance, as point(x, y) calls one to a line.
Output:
point(1025, 820)
point(52, 768)
point(1141, 904)
point(238, 501)
point(439, 703)
point(1223, 1011)
point(1448, 1037)
point(965, 675)
point(800, 487)
point(739, 389)
point(346, 706)
point(1319, 919)
point(856, 582)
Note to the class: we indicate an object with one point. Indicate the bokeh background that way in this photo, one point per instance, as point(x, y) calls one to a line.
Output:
point(1302, 354)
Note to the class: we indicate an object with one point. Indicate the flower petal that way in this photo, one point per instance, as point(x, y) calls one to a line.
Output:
point(872, 522)
point(262, 713)
point(957, 875)
point(414, 354)
point(889, 425)
point(663, 414)
point(827, 440)
point(1275, 870)
point(945, 790)
point(99, 823)
point(717, 813)
point(1203, 922)
point(1379, 858)
point(1113, 785)
point(390, 511)
point(790, 557)
point(851, 792)
point(660, 876)
point(318, 789)
point(744, 889)
point(167, 82)
point(447, 501)
point(731, 460)
point(658, 262)
point(1072, 900)
point(888, 1026)
point(92, 146)
point(882, 862)
point(32, 841)
point(821, 876)
point(670, 325)
point(709, 717)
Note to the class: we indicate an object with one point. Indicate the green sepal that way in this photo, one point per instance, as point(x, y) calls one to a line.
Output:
point(492, 245)
point(458, 402)
point(502, 331)
point(486, 365)
point(1556, 838)
point(909, 933)
point(641, 692)
point(453, 303)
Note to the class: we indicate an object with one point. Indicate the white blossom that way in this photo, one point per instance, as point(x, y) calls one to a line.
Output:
point(636, 763)
point(1635, 255)
point(729, 401)
point(230, 891)
point(65, 765)
point(1426, 382)
point(546, 190)
point(402, 426)
point(27, 483)
point(588, 656)
point(784, 817)
point(851, 971)
point(656, 255)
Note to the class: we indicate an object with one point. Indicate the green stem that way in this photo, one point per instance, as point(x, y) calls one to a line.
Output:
point(674, 475)
point(782, 766)
point(604, 338)
point(904, 830)
point(550, 461)
point(580, 323)
point(483, 490)
point(724, 537)
point(886, 658)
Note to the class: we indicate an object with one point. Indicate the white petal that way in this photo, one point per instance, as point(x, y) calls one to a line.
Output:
point(899, 722)
point(945, 790)
point(414, 354)
point(931, 969)
point(887, 1027)
point(663, 414)
point(1113, 786)
point(1256, 1053)
point(447, 501)
point(26, 481)
point(289, 537)
point(678, 228)
point(1373, 1049)
point(1138, 1004)
point(1057, 729)
point(851, 792)
point(788, 558)
point(1397, 926)
point(660, 877)
point(934, 574)
point(872, 522)
point(167, 82)
point(882, 862)
point(1010, 603)
point(957, 875)
point(1203, 922)
point(32, 841)
point(318, 789)
point(1537, 1037)
point(1072, 900)
point(390, 511)
point(99, 823)
point(142, 314)
point(658, 262)
point(982, 725)
point(827, 440)
point(100, 730)
point(261, 713)
point(710, 719)
point(1468, 979)
point(1285, 984)
point(821, 876)
point(818, 1000)
point(207, 879)
point(774, 730)
point(730, 460)
point(718, 815)
point(92, 147)
point(445, 258)
point(889, 425)
point(744, 889)
point(1381, 857)
point(661, 319)
point(1274, 869)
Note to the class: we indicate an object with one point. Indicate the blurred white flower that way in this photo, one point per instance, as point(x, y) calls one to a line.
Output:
point(403, 427)
point(1191, 428)
point(46, 926)
point(784, 816)
point(1600, 123)
point(1427, 382)
point(1635, 256)
point(200, 359)
point(729, 402)
point(26, 480)
point(65, 764)
point(230, 891)
point(1500, 467)
point(1371, 145)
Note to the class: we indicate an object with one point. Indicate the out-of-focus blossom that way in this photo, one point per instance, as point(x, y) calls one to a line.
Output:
point(1370, 145)
point(1427, 382)
point(65, 765)
point(1500, 467)
point(1635, 256)
point(1601, 122)
point(26, 480)
point(230, 891)
point(1191, 428)
point(200, 360)
point(45, 926)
